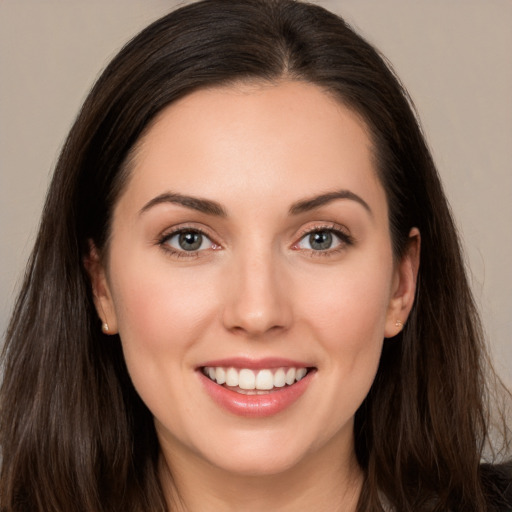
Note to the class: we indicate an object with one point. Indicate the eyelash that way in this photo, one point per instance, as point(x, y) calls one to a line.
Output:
point(164, 239)
point(344, 238)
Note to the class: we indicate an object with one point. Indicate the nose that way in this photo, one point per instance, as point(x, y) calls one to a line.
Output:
point(256, 301)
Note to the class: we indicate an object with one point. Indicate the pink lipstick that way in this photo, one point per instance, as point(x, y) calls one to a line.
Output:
point(255, 388)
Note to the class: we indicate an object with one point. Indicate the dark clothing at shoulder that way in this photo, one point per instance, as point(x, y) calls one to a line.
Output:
point(497, 482)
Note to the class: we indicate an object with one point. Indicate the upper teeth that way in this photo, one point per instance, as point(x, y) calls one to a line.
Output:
point(245, 378)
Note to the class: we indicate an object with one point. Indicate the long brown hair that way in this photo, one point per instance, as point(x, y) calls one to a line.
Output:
point(74, 433)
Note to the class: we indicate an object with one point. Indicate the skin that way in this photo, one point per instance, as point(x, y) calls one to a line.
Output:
point(256, 288)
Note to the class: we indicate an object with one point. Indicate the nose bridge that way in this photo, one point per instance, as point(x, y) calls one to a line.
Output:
point(255, 301)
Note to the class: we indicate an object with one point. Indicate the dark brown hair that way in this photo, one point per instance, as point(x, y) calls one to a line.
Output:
point(74, 433)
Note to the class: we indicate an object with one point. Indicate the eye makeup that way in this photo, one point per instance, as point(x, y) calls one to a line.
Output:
point(188, 241)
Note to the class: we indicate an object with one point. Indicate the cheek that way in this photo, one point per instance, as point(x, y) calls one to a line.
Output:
point(346, 310)
point(349, 320)
point(160, 310)
point(161, 314)
point(348, 307)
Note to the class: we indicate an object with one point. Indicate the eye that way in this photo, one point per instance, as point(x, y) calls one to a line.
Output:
point(188, 240)
point(319, 241)
point(324, 240)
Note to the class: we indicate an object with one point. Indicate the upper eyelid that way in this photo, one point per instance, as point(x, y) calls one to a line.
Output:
point(181, 228)
point(327, 226)
point(171, 234)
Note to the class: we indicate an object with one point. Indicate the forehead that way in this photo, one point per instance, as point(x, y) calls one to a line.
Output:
point(258, 141)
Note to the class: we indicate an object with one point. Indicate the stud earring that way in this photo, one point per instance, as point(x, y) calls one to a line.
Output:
point(104, 327)
point(399, 324)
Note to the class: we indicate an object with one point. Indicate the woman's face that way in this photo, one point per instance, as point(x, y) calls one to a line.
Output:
point(251, 247)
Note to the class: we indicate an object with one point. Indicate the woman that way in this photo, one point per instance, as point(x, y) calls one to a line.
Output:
point(247, 291)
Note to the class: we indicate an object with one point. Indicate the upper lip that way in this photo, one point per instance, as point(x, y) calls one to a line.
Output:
point(256, 364)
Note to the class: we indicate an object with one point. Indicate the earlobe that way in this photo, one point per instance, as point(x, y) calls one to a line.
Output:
point(404, 286)
point(100, 290)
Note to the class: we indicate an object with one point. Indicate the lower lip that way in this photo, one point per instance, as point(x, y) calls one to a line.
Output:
point(256, 406)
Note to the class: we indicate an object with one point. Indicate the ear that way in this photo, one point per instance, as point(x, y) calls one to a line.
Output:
point(101, 290)
point(404, 286)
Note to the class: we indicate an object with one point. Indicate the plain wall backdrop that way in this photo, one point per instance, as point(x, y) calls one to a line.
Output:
point(454, 57)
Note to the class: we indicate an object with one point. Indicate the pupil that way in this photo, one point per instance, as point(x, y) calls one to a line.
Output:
point(321, 240)
point(190, 241)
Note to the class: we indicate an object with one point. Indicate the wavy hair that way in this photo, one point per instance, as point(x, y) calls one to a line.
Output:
point(73, 432)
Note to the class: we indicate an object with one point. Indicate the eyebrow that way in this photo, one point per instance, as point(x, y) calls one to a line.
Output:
point(194, 203)
point(307, 205)
point(213, 208)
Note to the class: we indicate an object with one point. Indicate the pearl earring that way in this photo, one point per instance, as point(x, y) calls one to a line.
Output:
point(104, 327)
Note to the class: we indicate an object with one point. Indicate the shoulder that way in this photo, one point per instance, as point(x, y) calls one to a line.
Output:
point(497, 483)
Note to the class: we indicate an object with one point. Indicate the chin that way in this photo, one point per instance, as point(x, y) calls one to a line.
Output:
point(260, 465)
point(265, 452)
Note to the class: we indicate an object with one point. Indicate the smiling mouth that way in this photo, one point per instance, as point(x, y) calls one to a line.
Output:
point(255, 382)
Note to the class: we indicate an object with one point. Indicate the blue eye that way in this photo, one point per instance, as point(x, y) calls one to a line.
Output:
point(188, 241)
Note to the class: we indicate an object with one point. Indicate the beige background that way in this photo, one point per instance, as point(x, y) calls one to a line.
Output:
point(454, 56)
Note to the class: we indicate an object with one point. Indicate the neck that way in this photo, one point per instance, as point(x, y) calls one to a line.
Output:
point(322, 483)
